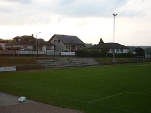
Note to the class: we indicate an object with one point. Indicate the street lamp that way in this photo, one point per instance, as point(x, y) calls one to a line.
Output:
point(114, 35)
point(54, 48)
point(37, 44)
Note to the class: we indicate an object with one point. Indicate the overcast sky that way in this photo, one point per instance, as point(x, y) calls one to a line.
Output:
point(90, 20)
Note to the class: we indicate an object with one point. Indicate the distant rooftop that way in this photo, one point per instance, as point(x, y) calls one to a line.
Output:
point(69, 39)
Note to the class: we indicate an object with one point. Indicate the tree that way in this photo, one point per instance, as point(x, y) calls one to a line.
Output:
point(101, 41)
point(105, 49)
point(139, 51)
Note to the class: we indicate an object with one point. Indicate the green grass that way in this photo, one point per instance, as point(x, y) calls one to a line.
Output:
point(102, 89)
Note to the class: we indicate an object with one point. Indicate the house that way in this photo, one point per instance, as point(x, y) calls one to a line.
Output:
point(118, 48)
point(2, 44)
point(28, 43)
point(66, 43)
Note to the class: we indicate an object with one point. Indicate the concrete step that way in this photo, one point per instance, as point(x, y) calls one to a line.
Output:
point(67, 62)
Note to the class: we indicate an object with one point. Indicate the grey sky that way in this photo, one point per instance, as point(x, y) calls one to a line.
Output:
point(71, 14)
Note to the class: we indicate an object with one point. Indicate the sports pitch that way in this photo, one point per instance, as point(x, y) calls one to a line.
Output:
point(122, 88)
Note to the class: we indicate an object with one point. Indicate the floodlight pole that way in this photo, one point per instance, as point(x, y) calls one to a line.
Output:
point(54, 48)
point(114, 37)
point(37, 44)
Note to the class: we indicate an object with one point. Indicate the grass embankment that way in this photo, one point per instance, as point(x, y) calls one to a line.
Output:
point(20, 63)
point(100, 89)
point(8, 61)
point(105, 61)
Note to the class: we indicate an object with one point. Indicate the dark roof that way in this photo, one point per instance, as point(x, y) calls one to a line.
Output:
point(24, 40)
point(109, 45)
point(14, 48)
point(69, 39)
point(21, 42)
point(3, 41)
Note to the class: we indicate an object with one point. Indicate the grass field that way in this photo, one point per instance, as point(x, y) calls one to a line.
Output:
point(119, 88)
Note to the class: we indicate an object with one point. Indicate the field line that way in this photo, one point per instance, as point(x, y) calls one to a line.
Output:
point(137, 93)
point(114, 108)
point(106, 97)
point(118, 95)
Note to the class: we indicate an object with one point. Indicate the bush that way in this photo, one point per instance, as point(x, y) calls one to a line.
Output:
point(81, 53)
point(97, 53)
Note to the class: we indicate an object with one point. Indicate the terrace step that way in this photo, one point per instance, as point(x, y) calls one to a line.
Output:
point(76, 62)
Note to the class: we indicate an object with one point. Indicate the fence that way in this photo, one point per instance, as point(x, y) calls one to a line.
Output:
point(27, 52)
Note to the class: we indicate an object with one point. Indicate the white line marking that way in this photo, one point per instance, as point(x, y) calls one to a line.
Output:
point(137, 93)
point(118, 95)
point(105, 97)
point(114, 108)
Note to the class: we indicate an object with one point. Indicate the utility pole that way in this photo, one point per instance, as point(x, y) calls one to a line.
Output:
point(37, 44)
point(113, 38)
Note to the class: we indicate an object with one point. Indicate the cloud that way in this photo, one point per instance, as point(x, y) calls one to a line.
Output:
point(86, 8)
point(33, 12)
point(130, 13)
point(65, 2)
point(10, 6)
point(132, 8)
point(19, 1)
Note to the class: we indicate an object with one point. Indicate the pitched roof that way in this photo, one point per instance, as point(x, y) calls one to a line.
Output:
point(22, 40)
point(3, 41)
point(69, 39)
point(27, 40)
point(109, 45)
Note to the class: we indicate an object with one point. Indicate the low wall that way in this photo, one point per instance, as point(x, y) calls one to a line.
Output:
point(27, 52)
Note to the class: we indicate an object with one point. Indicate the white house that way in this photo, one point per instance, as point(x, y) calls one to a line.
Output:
point(118, 48)
point(66, 43)
point(2, 44)
point(29, 43)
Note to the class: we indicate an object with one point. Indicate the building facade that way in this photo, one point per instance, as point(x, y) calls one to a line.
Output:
point(66, 43)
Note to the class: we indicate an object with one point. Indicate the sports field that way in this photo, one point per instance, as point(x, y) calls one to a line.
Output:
point(122, 88)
